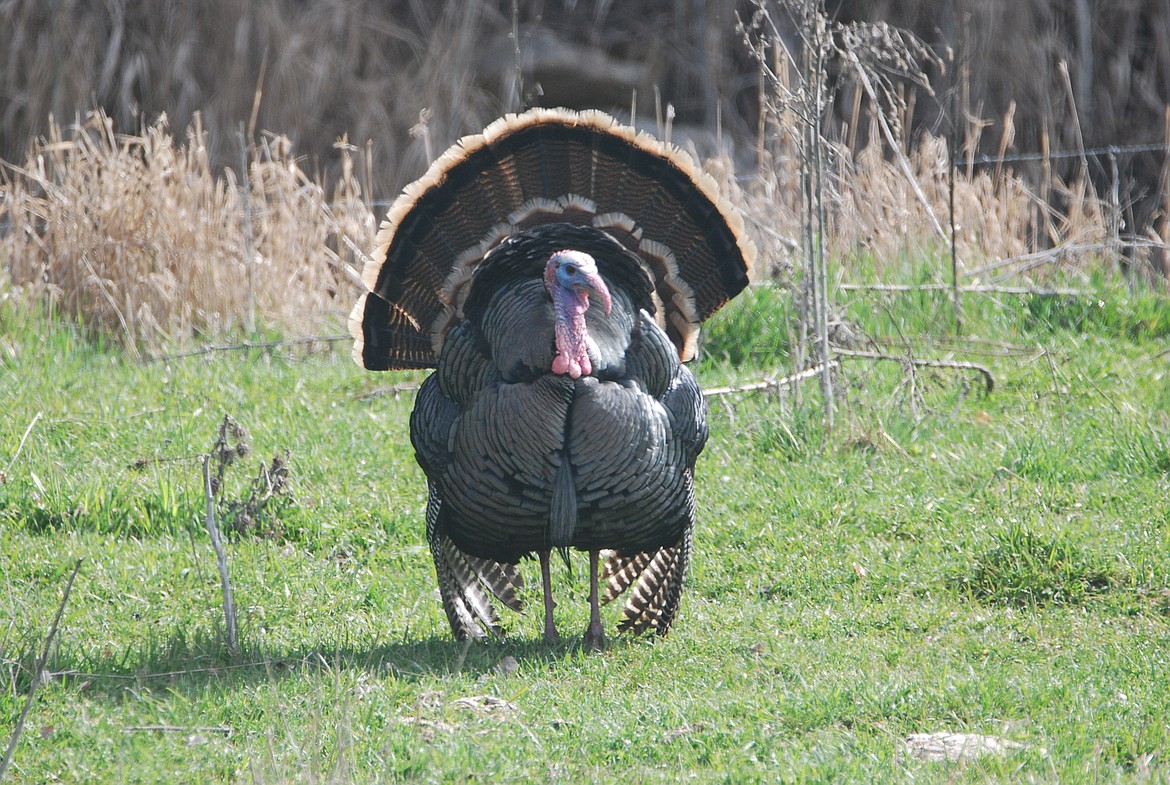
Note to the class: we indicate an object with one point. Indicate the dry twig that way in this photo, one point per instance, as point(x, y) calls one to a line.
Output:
point(988, 379)
point(179, 729)
point(38, 672)
point(225, 454)
point(236, 347)
point(229, 603)
point(946, 287)
point(19, 447)
point(771, 384)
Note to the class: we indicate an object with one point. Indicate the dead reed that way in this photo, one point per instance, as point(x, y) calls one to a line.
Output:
point(144, 237)
point(138, 237)
point(888, 194)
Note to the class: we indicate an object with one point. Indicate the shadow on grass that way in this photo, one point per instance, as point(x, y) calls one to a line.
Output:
point(196, 664)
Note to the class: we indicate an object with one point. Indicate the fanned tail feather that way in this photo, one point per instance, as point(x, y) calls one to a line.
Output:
point(456, 603)
point(464, 582)
point(540, 167)
point(654, 581)
point(620, 571)
point(470, 589)
point(504, 581)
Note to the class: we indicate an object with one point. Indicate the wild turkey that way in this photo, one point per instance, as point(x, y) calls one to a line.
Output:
point(554, 270)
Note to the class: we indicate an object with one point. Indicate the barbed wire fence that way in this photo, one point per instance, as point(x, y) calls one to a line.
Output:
point(1011, 266)
point(1093, 152)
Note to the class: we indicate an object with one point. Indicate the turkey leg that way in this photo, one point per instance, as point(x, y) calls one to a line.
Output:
point(550, 628)
point(594, 634)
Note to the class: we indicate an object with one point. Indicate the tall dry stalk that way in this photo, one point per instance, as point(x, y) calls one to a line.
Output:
point(814, 48)
point(138, 236)
point(796, 75)
point(792, 92)
point(249, 240)
point(231, 444)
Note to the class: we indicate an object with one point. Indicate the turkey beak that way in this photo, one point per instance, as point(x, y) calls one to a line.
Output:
point(591, 283)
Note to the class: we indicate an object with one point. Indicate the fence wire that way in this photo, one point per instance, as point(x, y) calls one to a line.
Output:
point(1094, 152)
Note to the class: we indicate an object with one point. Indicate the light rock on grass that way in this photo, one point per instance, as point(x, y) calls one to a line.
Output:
point(488, 705)
point(958, 746)
point(507, 666)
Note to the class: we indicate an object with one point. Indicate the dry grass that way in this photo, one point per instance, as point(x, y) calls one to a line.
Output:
point(887, 193)
point(997, 219)
point(1024, 76)
point(318, 71)
point(149, 238)
point(138, 237)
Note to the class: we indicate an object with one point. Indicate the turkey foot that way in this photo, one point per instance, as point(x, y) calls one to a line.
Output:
point(550, 628)
point(594, 639)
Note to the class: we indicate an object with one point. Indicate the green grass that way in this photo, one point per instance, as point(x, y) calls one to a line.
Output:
point(944, 560)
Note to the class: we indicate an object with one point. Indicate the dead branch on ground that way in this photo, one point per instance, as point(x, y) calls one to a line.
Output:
point(988, 379)
point(771, 384)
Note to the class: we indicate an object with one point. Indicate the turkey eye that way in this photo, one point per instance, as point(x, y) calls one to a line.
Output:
point(571, 269)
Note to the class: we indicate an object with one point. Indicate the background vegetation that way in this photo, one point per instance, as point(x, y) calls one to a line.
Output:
point(1034, 76)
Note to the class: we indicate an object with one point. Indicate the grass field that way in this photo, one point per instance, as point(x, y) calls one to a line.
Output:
point(944, 560)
